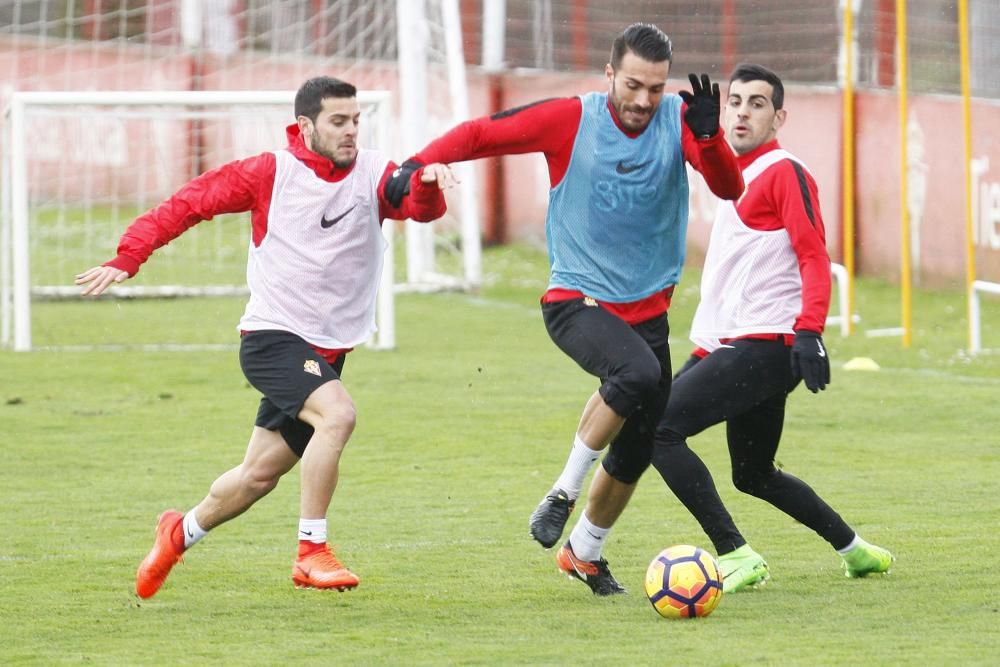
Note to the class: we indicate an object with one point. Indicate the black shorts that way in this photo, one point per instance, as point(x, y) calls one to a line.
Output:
point(286, 369)
point(630, 359)
point(633, 365)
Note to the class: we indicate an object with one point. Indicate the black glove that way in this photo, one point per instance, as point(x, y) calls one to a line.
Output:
point(809, 360)
point(398, 185)
point(702, 113)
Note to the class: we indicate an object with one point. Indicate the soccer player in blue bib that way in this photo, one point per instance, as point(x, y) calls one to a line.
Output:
point(765, 293)
point(616, 227)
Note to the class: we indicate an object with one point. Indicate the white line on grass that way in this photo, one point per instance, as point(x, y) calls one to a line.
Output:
point(934, 372)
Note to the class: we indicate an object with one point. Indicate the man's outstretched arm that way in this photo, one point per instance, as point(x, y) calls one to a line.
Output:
point(424, 197)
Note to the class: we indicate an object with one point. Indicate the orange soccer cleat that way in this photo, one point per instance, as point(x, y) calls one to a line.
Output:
point(594, 573)
point(155, 567)
point(321, 569)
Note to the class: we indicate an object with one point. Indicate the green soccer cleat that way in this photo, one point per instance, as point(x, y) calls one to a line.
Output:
point(741, 569)
point(865, 559)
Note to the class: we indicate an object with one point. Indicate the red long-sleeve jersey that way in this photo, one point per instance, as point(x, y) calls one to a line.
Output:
point(247, 185)
point(786, 196)
point(319, 276)
point(550, 127)
point(783, 196)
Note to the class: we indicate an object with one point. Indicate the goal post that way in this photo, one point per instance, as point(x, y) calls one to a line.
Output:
point(225, 48)
point(148, 157)
point(431, 60)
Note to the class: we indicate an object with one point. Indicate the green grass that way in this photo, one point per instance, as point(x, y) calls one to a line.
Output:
point(461, 430)
point(66, 242)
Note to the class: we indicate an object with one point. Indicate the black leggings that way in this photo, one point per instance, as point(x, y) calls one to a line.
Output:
point(744, 384)
point(633, 364)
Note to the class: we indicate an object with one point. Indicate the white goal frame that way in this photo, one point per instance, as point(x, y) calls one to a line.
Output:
point(975, 319)
point(16, 291)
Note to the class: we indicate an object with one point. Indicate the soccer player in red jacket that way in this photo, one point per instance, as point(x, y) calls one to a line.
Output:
point(316, 210)
point(765, 293)
point(616, 228)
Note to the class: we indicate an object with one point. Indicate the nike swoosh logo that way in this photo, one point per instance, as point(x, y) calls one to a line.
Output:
point(330, 223)
point(623, 168)
point(306, 532)
point(190, 534)
point(822, 352)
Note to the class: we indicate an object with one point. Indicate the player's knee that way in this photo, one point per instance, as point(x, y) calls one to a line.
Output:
point(646, 380)
point(627, 464)
point(626, 472)
point(752, 481)
point(337, 422)
point(637, 384)
point(258, 482)
point(665, 443)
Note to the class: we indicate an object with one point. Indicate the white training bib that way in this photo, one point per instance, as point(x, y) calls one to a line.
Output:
point(317, 270)
point(751, 282)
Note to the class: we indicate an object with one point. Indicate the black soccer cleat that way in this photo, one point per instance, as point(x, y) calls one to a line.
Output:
point(549, 518)
point(594, 573)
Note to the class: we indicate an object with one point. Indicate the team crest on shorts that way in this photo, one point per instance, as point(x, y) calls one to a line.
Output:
point(590, 301)
point(312, 366)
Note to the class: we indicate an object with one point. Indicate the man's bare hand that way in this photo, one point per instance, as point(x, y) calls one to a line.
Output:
point(98, 279)
point(441, 173)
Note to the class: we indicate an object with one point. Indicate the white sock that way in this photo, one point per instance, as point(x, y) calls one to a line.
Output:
point(855, 542)
point(581, 459)
point(587, 539)
point(312, 530)
point(192, 531)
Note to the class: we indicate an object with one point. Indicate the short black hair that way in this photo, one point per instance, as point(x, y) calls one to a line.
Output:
point(644, 40)
point(309, 98)
point(750, 72)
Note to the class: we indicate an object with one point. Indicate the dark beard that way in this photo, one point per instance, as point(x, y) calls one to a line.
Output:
point(619, 108)
point(340, 164)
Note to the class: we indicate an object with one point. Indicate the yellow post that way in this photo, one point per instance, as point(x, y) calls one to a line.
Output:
point(847, 162)
point(970, 253)
point(906, 271)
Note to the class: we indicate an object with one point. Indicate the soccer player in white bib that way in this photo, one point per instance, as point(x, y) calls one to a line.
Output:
point(765, 293)
point(315, 257)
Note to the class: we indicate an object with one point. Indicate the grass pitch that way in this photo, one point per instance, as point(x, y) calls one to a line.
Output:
point(460, 432)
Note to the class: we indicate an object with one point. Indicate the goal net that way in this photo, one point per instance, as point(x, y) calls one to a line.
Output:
point(78, 169)
point(82, 166)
